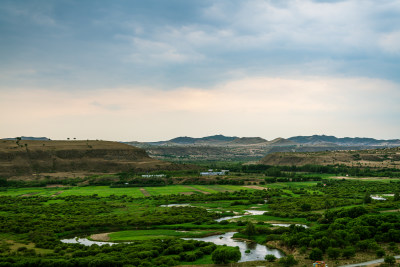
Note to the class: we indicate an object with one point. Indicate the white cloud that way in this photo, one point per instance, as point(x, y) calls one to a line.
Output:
point(390, 42)
point(254, 106)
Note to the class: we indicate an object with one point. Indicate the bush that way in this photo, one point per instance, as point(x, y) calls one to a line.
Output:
point(390, 260)
point(225, 254)
point(380, 253)
point(333, 253)
point(270, 257)
point(316, 254)
point(288, 261)
point(348, 252)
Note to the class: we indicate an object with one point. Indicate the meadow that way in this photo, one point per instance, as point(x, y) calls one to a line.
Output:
point(104, 191)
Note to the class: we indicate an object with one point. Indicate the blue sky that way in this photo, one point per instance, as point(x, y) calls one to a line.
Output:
point(154, 70)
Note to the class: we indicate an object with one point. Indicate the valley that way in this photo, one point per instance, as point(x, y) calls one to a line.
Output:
point(288, 209)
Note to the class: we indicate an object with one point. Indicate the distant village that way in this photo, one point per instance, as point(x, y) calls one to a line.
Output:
point(210, 172)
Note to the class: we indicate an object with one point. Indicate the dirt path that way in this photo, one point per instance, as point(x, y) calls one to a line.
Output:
point(144, 192)
point(101, 237)
point(197, 190)
point(255, 187)
point(368, 263)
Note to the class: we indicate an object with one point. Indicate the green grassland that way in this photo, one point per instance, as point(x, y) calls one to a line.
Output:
point(104, 191)
point(132, 235)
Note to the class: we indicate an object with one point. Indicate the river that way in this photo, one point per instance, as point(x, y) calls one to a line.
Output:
point(257, 251)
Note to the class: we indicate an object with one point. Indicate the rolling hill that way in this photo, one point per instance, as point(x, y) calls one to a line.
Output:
point(27, 157)
point(219, 147)
point(386, 157)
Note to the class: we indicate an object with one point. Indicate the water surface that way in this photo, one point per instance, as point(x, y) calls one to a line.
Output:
point(257, 251)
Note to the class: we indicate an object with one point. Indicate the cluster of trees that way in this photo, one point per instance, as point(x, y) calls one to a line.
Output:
point(290, 171)
point(46, 223)
point(343, 232)
point(160, 253)
point(256, 196)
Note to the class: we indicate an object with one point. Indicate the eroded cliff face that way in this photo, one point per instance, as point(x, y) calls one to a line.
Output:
point(29, 157)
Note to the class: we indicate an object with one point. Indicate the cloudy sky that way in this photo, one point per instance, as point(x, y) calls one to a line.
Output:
point(156, 69)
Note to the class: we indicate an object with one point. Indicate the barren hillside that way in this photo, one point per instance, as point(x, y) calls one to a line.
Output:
point(387, 157)
point(31, 157)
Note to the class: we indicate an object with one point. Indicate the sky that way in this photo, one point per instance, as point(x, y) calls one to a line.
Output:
point(133, 70)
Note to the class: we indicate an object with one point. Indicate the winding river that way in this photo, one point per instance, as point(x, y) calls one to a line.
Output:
point(254, 251)
point(257, 251)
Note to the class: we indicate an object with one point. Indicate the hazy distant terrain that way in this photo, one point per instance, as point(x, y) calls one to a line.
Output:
point(219, 147)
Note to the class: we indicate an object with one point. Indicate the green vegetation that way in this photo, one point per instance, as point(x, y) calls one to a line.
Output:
point(157, 234)
point(343, 221)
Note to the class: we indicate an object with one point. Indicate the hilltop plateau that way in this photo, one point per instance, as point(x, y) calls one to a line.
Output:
point(27, 157)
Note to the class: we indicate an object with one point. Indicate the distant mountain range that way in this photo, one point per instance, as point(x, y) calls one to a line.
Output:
point(232, 148)
point(314, 140)
point(346, 141)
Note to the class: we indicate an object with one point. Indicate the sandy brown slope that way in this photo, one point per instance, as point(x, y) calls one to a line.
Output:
point(29, 157)
point(388, 157)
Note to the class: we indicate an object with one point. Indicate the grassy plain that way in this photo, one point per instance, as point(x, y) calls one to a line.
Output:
point(104, 191)
point(157, 233)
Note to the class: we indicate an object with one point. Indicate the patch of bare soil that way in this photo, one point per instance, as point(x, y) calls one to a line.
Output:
point(101, 237)
point(56, 185)
point(57, 193)
point(144, 192)
point(30, 194)
point(220, 189)
point(197, 190)
point(398, 210)
point(255, 187)
point(187, 193)
point(359, 178)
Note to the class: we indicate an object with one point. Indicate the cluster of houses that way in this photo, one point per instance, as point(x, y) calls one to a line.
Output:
point(153, 175)
point(211, 172)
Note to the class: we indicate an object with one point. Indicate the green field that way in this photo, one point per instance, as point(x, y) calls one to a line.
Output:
point(157, 233)
point(104, 191)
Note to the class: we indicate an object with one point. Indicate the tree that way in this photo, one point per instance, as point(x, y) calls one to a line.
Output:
point(305, 207)
point(348, 252)
point(288, 261)
point(367, 198)
point(225, 254)
point(316, 254)
point(380, 253)
point(250, 229)
point(396, 196)
point(333, 253)
point(390, 260)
